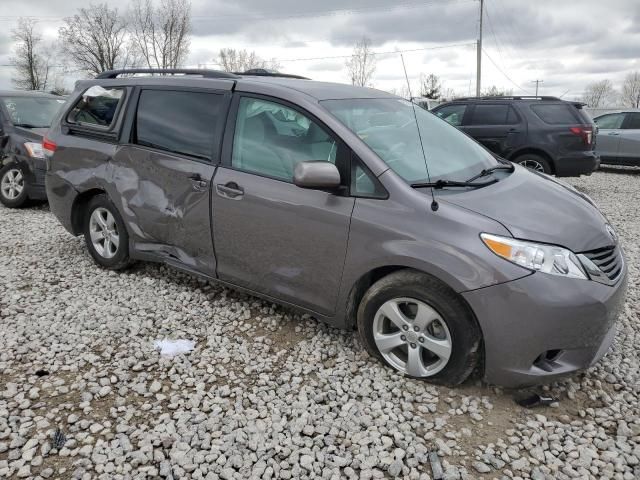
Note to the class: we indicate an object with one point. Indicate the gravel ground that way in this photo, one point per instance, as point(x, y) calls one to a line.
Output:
point(267, 393)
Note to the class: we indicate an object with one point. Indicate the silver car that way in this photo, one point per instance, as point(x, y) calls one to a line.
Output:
point(618, 137)
point(320, 196)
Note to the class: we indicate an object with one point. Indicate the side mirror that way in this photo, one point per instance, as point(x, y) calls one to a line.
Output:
point(319, 175)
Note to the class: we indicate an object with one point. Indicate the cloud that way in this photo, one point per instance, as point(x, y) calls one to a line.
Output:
point(325, 66)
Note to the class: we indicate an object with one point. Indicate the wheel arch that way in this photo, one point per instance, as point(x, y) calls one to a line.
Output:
point(534, 151)
point(79, 207)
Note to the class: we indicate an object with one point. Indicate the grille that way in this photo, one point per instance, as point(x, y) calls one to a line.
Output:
point(608, 260)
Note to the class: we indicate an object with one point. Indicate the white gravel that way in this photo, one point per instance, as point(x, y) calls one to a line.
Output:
point(266, 393)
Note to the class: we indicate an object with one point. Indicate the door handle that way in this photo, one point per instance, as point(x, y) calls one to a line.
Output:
point(613, 134)
point(230, 190)
point(198, 182)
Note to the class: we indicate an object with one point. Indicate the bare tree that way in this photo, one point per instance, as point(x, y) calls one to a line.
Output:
point(494, 91)
point(161, 33)
point(95, 39)
point(232, 60)
point(598, 94)
point(430, 86)
point(31, 62)
point(362, 64)
point(631, 90)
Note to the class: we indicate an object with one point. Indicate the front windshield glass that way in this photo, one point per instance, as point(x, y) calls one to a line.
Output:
point(32, 112)
point(388, 127)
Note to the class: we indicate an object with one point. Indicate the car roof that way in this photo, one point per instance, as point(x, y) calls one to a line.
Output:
point(27, 93)
point(249, 83)
point(618, 110)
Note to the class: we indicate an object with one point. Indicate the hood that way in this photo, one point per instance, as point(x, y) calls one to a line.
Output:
point(539, 208)
point(36, 134)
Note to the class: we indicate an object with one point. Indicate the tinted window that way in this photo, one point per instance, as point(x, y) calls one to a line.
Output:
point(633, 121)
point(178, 122)
point(490, 115)
point(97, 107)
point(556, 113)
point(32, 112)
point(270, 139)
point(612, 121)
point(452, 114)
point(364, 183)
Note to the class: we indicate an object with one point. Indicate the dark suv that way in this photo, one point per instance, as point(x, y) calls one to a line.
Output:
point(24, 118)
point(542, 133)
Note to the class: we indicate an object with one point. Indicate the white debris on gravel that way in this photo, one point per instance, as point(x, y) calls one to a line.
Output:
point(171, 348)
point(270, 394)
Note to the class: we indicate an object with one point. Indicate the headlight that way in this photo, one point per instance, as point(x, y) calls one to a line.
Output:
point(34, 149)
point(536, 256)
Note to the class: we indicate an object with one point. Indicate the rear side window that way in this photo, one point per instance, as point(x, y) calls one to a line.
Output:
point(97, 107)
point(453, 114)
point(493, 115)
point(610, 122)
point(178, 122)
point(633, 121)
point(556, 113)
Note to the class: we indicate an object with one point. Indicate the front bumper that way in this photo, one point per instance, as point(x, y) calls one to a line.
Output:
point(527, 322)
point(576, 164)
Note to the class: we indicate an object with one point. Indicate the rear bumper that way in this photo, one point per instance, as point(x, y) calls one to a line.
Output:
point(526, 318)
point(61, 196)
point(576, 164)
point(35, 184)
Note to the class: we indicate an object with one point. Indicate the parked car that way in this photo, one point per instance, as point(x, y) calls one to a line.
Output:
point(24, 118)
point(542, 133)
point(426, 103)
point(319, 196)
point(618, 137)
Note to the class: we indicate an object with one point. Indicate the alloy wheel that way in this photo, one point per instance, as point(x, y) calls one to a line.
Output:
point(532, 165)
point(104, 233)
point(412, 337)
point(12, 184)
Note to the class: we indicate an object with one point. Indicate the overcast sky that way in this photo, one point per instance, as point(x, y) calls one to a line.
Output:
point(566, 44)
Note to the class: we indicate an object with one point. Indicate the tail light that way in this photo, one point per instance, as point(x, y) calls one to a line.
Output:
point(585, 132)
point(48, 146)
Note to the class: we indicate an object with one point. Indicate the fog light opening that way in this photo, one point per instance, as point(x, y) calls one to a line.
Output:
point(547, 360)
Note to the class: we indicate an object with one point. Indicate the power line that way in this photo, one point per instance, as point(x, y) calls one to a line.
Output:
point(379, 53)
point(503, 73)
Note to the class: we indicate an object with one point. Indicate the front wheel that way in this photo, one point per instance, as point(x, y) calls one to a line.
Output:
point(13, 187)
point(420, 327)
point(105, 234)
point(534, 162)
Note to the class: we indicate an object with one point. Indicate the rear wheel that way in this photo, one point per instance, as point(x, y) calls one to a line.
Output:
point(105, 234)
point(13, 187)
point(420, 327)
point(534, 162)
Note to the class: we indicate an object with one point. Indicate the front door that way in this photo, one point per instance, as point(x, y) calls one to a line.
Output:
point(164, 175)
point(496, 126)
point(271, 236)
point(629, 149)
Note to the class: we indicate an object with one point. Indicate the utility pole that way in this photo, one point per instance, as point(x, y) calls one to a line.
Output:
point(479, 52)
point(537, 82)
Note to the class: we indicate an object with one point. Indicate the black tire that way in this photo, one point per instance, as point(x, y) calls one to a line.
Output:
point(22, 198)
point(120, 257)
point(531, 160)
point(465, 334)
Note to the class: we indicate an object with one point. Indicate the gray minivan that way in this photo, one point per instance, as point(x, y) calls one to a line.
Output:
point(320, 196)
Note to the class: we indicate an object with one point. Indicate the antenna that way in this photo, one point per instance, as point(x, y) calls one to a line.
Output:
point(434, 204)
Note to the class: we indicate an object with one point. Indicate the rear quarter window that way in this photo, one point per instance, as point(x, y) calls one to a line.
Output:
point(557, 113)
point(97, 107)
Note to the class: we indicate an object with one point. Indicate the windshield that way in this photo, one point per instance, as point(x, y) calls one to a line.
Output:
point(388, 127)
point(32, 112)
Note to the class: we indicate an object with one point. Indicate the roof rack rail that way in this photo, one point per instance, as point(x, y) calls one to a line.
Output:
point(263, 72)
point(167, 71)
point(509, 97)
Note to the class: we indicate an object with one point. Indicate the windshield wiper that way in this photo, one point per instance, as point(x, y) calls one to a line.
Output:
point(510, 167)
point(450, 183)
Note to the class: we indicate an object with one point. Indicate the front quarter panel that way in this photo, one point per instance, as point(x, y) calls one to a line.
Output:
point(404, 231)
